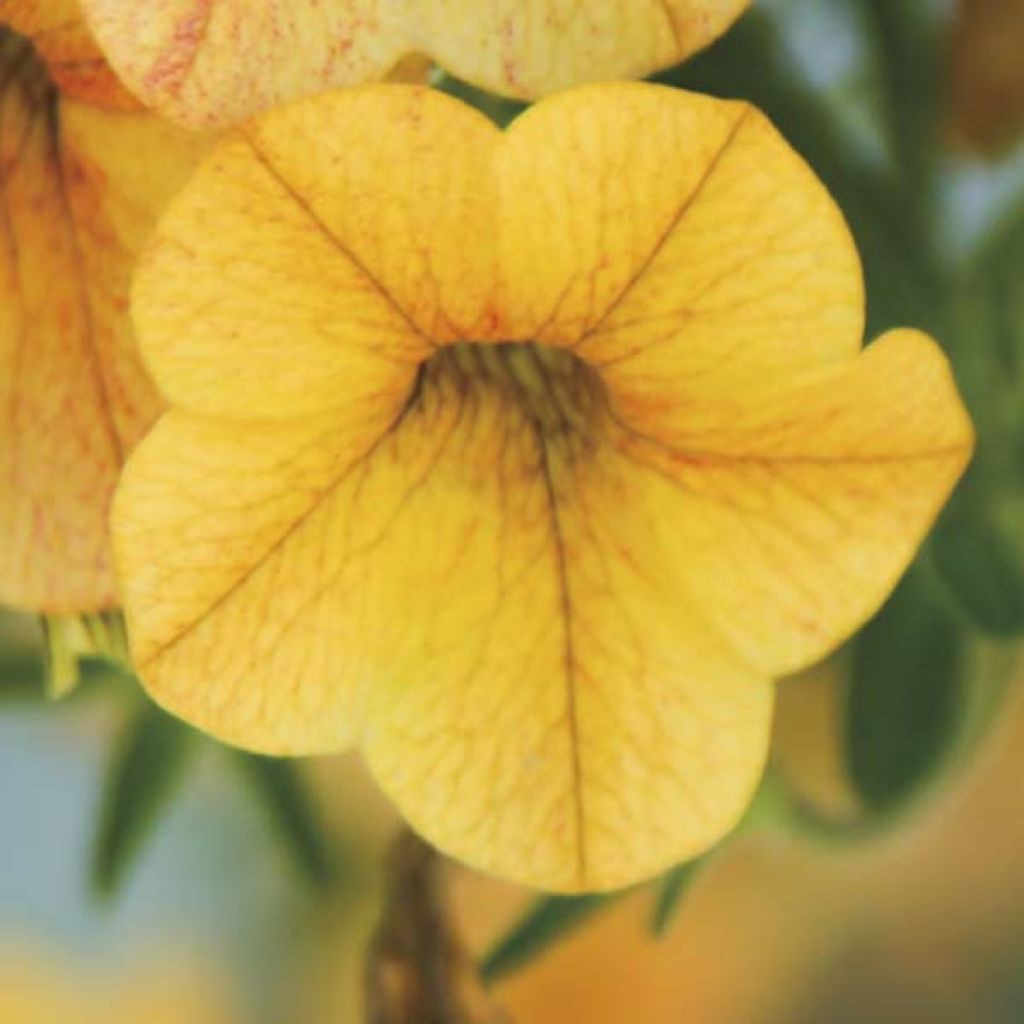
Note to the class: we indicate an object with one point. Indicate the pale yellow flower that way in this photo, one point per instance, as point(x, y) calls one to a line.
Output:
point(83, 172)
point(205, 62)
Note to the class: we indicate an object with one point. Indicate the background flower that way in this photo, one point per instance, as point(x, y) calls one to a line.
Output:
point(83, 172)
point(217, 61)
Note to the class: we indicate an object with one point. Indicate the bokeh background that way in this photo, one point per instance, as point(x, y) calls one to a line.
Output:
point(147, 874)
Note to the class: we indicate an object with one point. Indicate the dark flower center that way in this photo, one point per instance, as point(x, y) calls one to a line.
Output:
point(22, 67)
point(556, 391)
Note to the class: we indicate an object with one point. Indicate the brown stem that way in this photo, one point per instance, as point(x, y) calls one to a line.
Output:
point(417, 970)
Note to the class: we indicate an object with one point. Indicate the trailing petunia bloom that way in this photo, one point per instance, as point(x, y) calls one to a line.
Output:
point(525, 461)
point(214, 62)
point(83, 172)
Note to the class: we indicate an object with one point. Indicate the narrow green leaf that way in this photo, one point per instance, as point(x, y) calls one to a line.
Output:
point(979, 544)
point(550, 920)
point(907, 695)
point(281, 792)
point(674, 885)
point(143, 773)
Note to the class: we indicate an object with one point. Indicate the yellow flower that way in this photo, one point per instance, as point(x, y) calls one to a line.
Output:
point(83, 172)
point(204, 62)
point(524, 461)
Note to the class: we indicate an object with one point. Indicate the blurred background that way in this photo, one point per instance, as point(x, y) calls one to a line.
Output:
point(147, 874)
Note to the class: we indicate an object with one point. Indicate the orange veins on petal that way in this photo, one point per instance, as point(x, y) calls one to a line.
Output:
point(544, 453)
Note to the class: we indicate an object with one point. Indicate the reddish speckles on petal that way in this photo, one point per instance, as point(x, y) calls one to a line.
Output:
point(261, 54)
point(79, 189)
point(171, 69)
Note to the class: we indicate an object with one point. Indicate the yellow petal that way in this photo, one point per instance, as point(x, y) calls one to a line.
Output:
point(80, 190)
point(204, 62)
point(485, 611)
point(371, 248)
point(544, 591)
point(250, 521)
point(798, 506)
point(660, 234)
point(528, 48)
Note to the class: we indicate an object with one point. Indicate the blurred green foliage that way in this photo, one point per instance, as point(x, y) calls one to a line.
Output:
point(280, 791)
point(147, 764)
point(906, 696)
point(548, 921)
point(670, 892)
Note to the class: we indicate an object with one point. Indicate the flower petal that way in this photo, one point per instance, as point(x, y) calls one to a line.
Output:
point(78, 195)
point(528, 49)
point(797, 507)
point(561, 713)
point(227, 535)
point(661, 234)
point(490, 617)
point(345, 278)
point(204, 62)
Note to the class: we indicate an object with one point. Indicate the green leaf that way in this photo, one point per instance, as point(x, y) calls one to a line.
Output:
point(674, 885)
point(550, 920)
point(280, 790)
point(987, 339)
point(979, 549)
point(907, 695)
point(908, 47)
point(144, 771)
point(979, 544)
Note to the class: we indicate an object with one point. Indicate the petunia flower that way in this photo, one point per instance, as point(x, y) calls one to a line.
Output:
point(524, 461)
point(83, 172)
point(206, 62)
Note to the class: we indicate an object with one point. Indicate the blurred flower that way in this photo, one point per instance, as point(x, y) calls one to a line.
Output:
point(204, 62)
point(524, 461)
point(83, 171)
point(987, 73)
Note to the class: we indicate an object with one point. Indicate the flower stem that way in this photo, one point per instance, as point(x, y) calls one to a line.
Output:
point(417, 969)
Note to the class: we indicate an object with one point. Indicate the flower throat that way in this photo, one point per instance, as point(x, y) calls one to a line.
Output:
point(560, 394)
point(21, 65)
